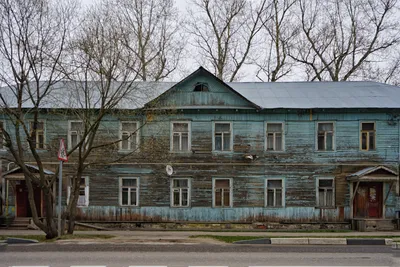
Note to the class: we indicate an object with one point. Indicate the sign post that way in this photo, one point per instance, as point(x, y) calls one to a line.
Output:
point(62, 156)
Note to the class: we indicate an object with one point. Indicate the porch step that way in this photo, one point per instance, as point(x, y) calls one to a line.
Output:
point(19, 223)
point(369, 225)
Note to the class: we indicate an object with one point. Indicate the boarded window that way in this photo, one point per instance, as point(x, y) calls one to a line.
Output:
point(37, 133)
point(222, 137)
point(274, 136)
point(222, 193)
point(325, 136)
point(180, 192)
point(274, 193)
point(367, 136)
point(180, 136)
point(129, 191)
point(326, 193)
point(129, 136)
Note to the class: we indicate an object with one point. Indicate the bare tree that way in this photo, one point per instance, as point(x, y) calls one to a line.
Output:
point(224, 32)
point(32, 47)
point(153, 35)
point(339, 37)
point(272, 59)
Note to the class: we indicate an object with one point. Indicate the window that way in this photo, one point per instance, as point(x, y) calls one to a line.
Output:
point(222, 192)
point(2, 135)
point(325, 138)
point(274, 193)
point(222, 136)
point(180, 192)
point(274, 137)
point(325, 192)
point(75, 133)
point(83, 199)
point(201, 87)
point(367, 136)
point(180, 141)
point(129, 136)
point(37, 129)
point(129, 191)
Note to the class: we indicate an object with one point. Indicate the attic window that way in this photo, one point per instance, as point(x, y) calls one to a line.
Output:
point(201, 87)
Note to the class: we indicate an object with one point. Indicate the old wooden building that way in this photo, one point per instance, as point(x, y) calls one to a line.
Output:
point(209, 151)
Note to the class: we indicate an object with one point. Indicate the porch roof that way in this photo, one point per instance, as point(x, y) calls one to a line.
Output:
point(17, 174)
point(374, 174)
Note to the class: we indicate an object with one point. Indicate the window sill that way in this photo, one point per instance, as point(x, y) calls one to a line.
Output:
point(180, 207)
point(222, 152)
point(181, 152)
point(275, 207)
point(325, 151)
point(225, 208)
point(274, 151)
point(126, 151)
point(129, 206)
point(325, 208)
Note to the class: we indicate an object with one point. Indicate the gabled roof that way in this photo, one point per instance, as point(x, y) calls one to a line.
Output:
point(29, 166)
point(377, 173)
point(205, 72)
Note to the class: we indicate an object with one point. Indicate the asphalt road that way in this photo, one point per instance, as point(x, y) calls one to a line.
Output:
point(65, 255)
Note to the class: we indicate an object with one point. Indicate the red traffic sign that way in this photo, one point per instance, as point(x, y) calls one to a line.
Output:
point(62, 152)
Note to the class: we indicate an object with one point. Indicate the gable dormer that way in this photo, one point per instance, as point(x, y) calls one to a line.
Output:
point(202, 90)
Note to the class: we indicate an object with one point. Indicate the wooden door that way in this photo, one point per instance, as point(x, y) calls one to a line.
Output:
point(22, 199)
point(368, 200)
point(23, 207)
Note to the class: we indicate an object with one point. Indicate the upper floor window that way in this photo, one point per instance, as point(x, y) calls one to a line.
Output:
point(222, 192)
point(129, 135)
point(325, 139)
point(201, 87)
point(83, 199)
point(2, 135)
point(274, 192)
point(180, 192)
point(325, 192)
point(75, 133)
point(37, 129)
point(367, 136)
point(274, 136)
point(222, 136)
point(180, 140)
point(129, 191)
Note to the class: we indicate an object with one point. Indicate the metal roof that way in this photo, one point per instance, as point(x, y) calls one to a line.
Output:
point(370, 170)
point(307, 95)
point(290, 95)
point(30, 166)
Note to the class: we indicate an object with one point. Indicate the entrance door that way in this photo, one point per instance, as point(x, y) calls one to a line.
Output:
point(23, 207)
point(368, 200)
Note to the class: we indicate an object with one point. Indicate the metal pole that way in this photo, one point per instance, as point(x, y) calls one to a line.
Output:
point(59, 198)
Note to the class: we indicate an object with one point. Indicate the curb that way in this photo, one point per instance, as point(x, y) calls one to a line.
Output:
point(321, 241)
point(13, 240)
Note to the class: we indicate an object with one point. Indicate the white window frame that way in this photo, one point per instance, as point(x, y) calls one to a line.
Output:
point(130, 137)
point(222, 141)
point(333, 192)
point(361, 132)
point(230, 193)
point(70, 131)
point(189, 123)
point(266, 136)
point(86, 192)
point(266, 192)
point(333, 136)
point(172, 188)
point(3, 148)
point(129, 195)
point(36, 137)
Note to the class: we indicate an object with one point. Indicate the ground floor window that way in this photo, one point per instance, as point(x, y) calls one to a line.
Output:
point(274, 193)
point(180, 192)
point(83, 199)
point(325, 192)
point(222, 192)
point(129, 191)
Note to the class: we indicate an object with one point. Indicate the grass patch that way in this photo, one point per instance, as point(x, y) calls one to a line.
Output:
point(231, 239)
point(42, 238)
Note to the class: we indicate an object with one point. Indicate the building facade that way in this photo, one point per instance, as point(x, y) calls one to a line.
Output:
point(211, 151)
